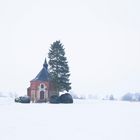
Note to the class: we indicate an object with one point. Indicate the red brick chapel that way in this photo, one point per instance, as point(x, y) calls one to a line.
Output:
point(40, 89)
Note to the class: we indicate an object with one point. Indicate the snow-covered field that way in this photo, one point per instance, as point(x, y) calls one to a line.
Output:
point(83, 120)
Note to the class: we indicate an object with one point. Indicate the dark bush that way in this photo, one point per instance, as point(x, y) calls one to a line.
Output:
point(17, 100)
point(66, 98)
point(127, 97)
point(131, 97)
point(54, 99)
point(23, 99)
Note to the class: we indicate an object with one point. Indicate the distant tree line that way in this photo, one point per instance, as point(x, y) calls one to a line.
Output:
point(131, 97)
point(125, 97)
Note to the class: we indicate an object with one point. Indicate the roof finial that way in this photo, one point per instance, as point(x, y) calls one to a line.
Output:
point(45, 64)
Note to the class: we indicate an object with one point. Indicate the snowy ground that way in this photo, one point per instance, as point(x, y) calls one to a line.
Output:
point(83, 120)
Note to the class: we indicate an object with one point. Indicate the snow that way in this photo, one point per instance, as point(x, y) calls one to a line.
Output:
point(83, 120)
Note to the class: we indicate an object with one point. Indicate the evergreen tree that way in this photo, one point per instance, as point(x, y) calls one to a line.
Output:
point(58, 67)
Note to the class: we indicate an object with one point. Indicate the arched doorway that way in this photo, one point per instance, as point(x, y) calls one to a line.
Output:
point(41, 95)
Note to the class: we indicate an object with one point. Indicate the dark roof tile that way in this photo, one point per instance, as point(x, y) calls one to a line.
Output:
point(43, 75)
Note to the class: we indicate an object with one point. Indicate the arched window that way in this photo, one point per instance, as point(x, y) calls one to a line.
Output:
point(42, 86)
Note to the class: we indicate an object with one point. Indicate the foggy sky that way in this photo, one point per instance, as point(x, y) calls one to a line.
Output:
point(101, 40)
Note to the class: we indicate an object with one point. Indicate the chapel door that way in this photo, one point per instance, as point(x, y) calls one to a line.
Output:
point(41, 95)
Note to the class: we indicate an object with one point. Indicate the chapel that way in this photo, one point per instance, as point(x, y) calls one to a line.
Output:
point(40, 89)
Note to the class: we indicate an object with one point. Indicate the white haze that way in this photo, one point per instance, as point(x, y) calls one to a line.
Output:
point(101, 40)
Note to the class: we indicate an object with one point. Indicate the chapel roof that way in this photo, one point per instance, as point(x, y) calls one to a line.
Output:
point(43, 75)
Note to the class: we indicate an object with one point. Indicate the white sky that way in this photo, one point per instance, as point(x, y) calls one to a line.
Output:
point(101, 39)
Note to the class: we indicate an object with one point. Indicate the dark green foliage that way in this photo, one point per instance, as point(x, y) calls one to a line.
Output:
point(23, 99)
point(54, 99)
point(131, 97)
point(58, 67)
point(66, 98)
point(127, 97)
point(17, 100)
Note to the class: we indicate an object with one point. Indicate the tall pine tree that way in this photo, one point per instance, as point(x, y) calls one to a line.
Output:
point(58, 67)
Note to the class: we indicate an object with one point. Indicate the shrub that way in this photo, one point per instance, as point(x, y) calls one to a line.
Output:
point(66, 98)
point(54, 99)
point(23, 99)
point(17, 100)
point(127, 97)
